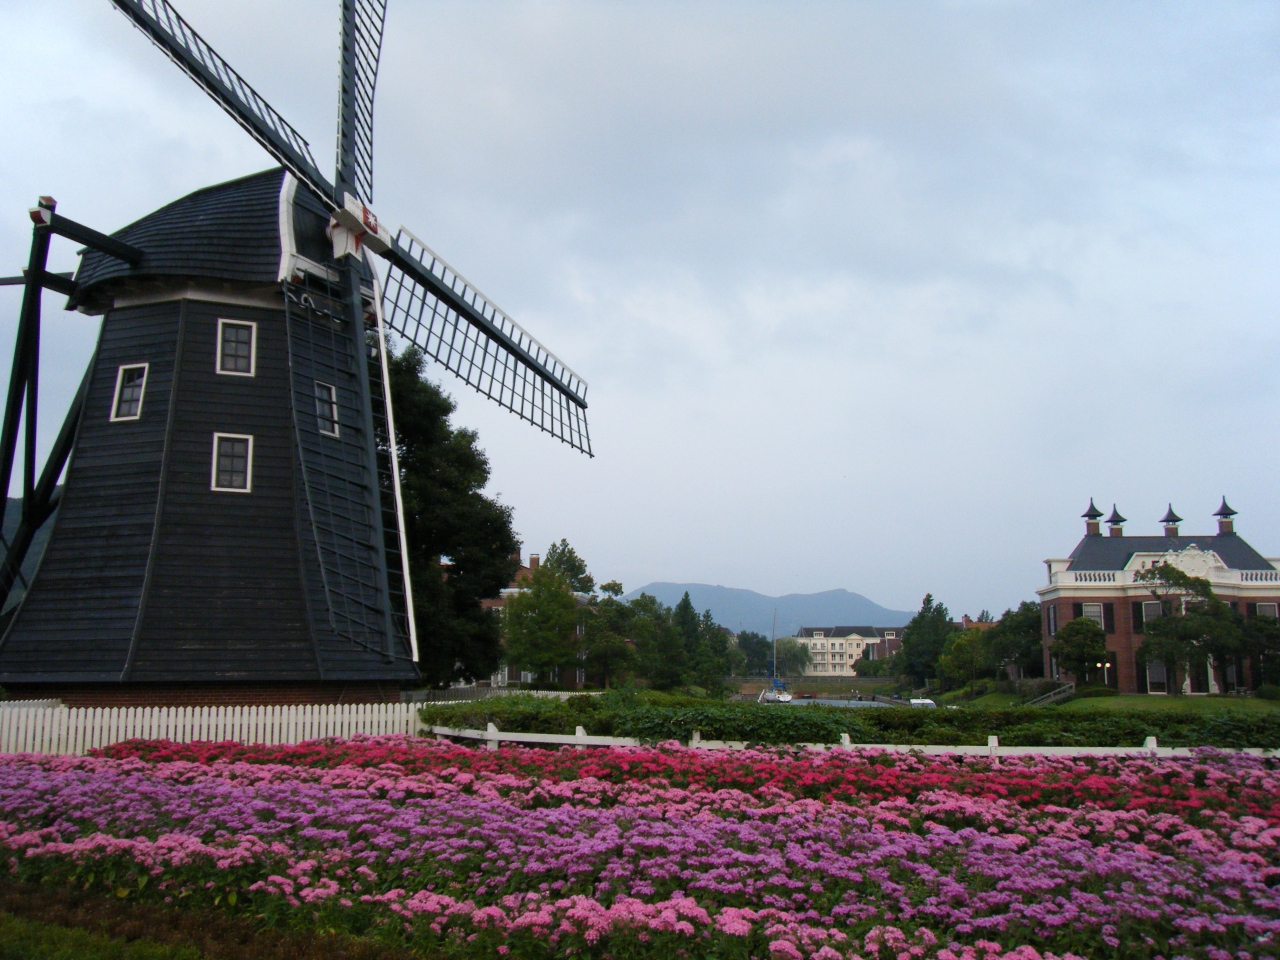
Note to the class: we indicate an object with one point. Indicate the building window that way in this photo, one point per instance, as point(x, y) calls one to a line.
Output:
point(232, 462)
point(818, 634)
point(237, 347)
point(1156, 680)
point(131, 380)
point(1267, 610)
point(1053, 620)
point(1092, 611)
point(890, 635)
point(327, 409)
point(1151, 610)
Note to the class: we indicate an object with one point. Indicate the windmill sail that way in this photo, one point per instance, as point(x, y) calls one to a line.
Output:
point(362, 22)
point(428, 303)
point(165, 27)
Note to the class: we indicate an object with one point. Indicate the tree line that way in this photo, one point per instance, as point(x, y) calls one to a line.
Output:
point(561, 623)
point(936, 648)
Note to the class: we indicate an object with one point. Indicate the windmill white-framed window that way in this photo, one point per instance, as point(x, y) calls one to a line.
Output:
point(326, 408)
point(232, 469)
point(237, 347)
point(131, 383)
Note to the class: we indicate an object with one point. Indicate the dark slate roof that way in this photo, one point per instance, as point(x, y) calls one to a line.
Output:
point(839, 632)
point(1112, 553)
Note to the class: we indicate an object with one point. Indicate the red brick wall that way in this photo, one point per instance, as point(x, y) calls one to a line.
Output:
point(205, 695)
point(1124, 642)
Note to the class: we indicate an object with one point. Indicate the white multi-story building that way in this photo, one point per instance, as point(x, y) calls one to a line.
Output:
point(835, 651)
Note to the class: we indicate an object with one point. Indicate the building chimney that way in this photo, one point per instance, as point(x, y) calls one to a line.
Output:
point(1170, 521)
point(1091, 528)
point(1114, 523)
point(1224, 514)
point(533, 561)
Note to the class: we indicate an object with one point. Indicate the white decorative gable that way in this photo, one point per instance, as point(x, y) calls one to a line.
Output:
point(1195, 562)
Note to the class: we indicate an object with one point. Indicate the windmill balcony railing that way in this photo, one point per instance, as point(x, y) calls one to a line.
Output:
point(1129, 577)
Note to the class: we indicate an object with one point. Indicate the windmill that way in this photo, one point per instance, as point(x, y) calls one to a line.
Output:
point(231, 516)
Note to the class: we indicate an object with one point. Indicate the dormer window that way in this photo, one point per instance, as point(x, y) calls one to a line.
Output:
point(237, 347)
point(818, 634)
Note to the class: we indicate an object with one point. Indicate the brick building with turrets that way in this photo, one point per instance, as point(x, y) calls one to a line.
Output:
point(1098, 581)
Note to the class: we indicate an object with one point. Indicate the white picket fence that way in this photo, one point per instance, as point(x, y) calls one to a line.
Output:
point(75, 730)
point(492, 737)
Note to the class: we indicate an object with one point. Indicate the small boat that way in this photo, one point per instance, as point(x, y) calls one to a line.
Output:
point(778, 693)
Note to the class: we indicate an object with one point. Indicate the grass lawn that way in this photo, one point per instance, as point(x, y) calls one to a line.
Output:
point(22, 939)
point(1147, 704)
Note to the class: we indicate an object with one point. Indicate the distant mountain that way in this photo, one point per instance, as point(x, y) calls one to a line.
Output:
point(741, 610)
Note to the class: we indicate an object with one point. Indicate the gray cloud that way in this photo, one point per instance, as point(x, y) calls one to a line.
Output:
point(869, 296)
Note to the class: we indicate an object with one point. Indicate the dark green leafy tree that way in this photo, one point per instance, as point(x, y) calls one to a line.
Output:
point(660, 649)
point(963, 656)
point(1078, 646)
point(1015, 641)
point(540, 627)
point(565, 562)
point(610, 654)
point(1260, 643)
point(1194, 625)
point(924, 638)
point(447, 515)
point(757, 653)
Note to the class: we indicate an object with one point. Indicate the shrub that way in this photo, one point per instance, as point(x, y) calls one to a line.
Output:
point(675, 718)
point(1268, 691)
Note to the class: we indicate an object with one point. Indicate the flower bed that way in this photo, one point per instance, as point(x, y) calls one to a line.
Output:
point(670, 852)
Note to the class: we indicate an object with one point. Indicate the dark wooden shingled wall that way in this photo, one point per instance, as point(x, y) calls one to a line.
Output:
point(80, 615)
point(225, 600)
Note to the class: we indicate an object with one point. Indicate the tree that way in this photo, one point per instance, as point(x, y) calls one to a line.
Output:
point(793, 657)
point(1078, 646)
point(563, 560)
point(1015, 641)
point(757, 652)
point(540, 626)
point(660, 653)
point(964, 654)
point(443, 473)
point(1194, 625)
point(923, 639)
point(609, 654)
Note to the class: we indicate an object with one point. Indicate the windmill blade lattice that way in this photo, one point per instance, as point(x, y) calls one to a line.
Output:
point(479, 343)
point(362, 24)
point(165, 27)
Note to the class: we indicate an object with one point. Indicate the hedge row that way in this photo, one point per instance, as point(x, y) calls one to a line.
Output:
point(679, 717)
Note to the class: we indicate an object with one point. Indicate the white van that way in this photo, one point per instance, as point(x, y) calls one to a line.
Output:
point(923, 702)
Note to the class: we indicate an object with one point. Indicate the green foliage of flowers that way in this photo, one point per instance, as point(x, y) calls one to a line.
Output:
point(676, 718)
point(22, 939)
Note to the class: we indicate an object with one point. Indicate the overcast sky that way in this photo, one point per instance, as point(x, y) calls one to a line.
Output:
point(868, 295)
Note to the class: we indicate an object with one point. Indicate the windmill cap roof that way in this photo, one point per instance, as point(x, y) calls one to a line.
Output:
point(1093, 513)
point(1170, 516)
point(1224, 510)
point(1115, 517)
point(228, 233)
